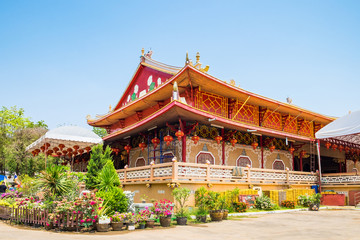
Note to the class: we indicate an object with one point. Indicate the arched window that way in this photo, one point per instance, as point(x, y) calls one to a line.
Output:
point(243, 161)
point(202, 157)
point(278, 165)
point(168, 156)
point(140, 162)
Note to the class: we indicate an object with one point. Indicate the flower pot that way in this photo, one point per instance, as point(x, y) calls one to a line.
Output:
point(131, 226)
point(181, 220)
point(225, 214)
point(142, 226)
point(117, 226)
point(201, 218)
point(165, 221)
point(150, 223)
point(314, 207)
point(102, 227)
point(216, 215)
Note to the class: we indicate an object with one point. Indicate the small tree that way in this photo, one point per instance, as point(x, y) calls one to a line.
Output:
point(98, 158)
point(181, 196)
point(108, 178)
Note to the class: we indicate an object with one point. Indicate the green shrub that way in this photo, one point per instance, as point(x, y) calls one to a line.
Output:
point(108, 178)
point(264, 203)
point(114, 199)
point(240, 206)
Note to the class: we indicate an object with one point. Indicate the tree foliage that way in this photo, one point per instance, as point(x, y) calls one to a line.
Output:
point(98, 159)
point(101, 132)
point(16, 133)
point(108, 178)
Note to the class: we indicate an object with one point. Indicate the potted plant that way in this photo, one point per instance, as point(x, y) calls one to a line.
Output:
point(181, 196)
point(223, 207)
point(131, 219)
point(142, 217)
point(103, 223)
point(149, 221)
point(201, 201)
point(163, 210)
point(216, 214)
point(201, 214)
point(315, 200)
point(117, 221)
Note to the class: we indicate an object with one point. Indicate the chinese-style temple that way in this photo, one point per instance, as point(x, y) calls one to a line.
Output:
point(179, 125)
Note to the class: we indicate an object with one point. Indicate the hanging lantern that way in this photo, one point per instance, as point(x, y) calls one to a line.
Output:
point(347, 149)
point(179, 134)
point(352, 150)
point(88, 149)
point(81, 151)
point(327, 145)
point(69, 154)
point(69, 150)
point(42, 148)
point(302, 153)
point(195, 138)
point(218, 139)
point(64, 152)
point(272, 148)
point(168, 139)
point(334, 146)
point(59, 153)
point(254, 145)
point(127, 148)
point(155, 141)
point(47, 145)
point(75, 152)
point(76, 147)
point(56, 149)
point(33, 153)
point(291, 150)
point(61, 146)
point(233, 141)
point(142, 145)
point(341, 147)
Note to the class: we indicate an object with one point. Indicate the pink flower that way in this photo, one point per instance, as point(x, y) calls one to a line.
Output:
point(94, 220)
point(82, 220)
point(95, 216)
point(100, 208)
point(88, 220)
point(47, 224)
point(92, 203)
point(74, 212)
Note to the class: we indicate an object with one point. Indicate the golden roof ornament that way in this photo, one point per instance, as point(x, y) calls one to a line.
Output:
point(110, 108)
point(142, 51)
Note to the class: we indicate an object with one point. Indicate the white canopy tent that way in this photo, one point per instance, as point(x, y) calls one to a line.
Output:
point(344, 130)
point(66, 140)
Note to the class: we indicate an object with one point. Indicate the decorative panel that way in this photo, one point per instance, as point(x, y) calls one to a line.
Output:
point(247, 114)
point(211, 103)
point(290, 125)
point(272, 120)
point(305, 128)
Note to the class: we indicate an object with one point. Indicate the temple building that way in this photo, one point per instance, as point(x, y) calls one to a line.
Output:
point(188, 114)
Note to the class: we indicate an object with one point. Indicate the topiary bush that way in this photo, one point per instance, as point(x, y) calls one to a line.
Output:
point(264, 203)
point(114, 200)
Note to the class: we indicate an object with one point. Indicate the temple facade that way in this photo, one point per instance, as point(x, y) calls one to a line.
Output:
point(194, 117)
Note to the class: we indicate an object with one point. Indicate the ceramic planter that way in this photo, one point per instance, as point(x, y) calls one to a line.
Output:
point(150, 223)
point(142, 226)
point(102, 227)
point(225, 214)
point(201, 218)
point(165, 221)
point(117, 226)
point(216, 215)
point(181, 220)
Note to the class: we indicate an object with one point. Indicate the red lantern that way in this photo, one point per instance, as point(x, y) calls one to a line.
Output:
point(195, 138)
point(352, 150)
point(33, 153)
point(272, 148)
point(341, 147)
point(179, 134)
point(347, 149)
point(88, 149)
point(155, 141)
point(61, 146)
point(233, 141)
point(291, 150)
point(327, 145)
point(334, 146)
point(47, 145)
point(76, 147)
point(56, 149)
point(168, 139)
point(58, 153)
point(127, 148)
point(142, 145)
point(64, 152)
point(42, 148)
point(302, 153)
point(81, 151)
point(218, 139)
point(254, 145)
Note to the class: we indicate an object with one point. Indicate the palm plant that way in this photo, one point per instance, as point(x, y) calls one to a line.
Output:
point(55, 182)
point(108, 178)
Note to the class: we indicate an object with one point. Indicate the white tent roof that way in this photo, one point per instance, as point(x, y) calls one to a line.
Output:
point(67, 135)
point(346, 128)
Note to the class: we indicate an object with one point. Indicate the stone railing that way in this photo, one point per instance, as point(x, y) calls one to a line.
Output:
point(178, 171)
point(340, 178)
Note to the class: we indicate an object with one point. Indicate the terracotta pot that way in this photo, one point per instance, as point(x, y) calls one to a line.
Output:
point(225, 214)
point(216, 215)
point(117, 226)
point(165, 221)
point(201, 218)
point(181, 220)
point(104, 227)
point(150, 223)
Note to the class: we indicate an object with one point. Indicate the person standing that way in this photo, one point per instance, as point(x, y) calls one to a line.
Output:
point(3, 187)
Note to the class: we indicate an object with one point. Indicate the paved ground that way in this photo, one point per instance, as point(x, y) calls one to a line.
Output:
point(325, 224)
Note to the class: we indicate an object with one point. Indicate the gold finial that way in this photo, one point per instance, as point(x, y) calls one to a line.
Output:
point(197, 57)
point(232, 82)
point(110, 108)
point(187, 58)
point(142, 51)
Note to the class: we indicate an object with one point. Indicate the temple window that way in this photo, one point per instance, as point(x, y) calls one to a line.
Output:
point(140, 162)
point(243, 161)
point(202, 157)
point(278, 165)
point(168, 156)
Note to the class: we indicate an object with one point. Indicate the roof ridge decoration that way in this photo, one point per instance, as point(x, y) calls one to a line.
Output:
point(197, 63)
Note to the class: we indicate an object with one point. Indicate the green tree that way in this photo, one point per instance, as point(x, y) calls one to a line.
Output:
point(101, 132)
point(108, 177)
point(98, 159)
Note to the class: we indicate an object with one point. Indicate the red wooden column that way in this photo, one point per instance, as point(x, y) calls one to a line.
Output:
point(223, 147)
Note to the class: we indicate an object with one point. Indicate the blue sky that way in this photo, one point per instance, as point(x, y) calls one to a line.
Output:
point(63, 60)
